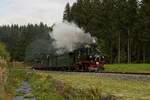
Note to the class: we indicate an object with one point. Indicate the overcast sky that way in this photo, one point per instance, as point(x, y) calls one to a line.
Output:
point(33, 11)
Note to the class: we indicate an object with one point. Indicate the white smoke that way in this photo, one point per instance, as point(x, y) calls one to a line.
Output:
point(68, 37)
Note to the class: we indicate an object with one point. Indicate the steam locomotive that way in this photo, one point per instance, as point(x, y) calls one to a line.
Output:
point(86, 58)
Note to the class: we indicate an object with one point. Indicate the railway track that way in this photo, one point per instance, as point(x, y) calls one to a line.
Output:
point(104, 72)
point(126, 73)
point(142, 77)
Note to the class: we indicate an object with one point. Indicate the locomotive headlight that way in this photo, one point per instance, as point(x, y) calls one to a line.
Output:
point(97, 63)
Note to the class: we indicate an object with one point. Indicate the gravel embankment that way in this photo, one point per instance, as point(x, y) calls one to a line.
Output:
point(143, 78)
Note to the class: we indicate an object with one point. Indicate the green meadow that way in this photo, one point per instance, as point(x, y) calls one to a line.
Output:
point(139, 68)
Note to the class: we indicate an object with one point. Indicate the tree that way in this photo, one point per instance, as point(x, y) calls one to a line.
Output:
point(131, 21)
point(117, 25)
point(18, 38)
point(67, 14)
point(3, 52)
point(145, 27)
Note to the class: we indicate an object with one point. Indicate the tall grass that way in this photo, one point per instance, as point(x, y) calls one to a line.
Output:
point(109, 88)
point(15, 77)
point(3, 77)
point(14, 80)
point(43, 87)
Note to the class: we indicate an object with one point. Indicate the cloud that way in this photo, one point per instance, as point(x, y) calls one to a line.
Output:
point(33, 11)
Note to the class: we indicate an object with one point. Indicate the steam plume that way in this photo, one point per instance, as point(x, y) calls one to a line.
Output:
point(68, 37)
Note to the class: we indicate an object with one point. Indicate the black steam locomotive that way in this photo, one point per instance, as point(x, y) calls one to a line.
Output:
point(86, 58)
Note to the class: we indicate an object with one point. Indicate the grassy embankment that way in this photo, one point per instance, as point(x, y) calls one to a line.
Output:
point(10, 79)
point(78, 86)
point(42, 88)
point(90, 85)
point(3, 77)
point(48, 87)
point(1, 85)
point(139, 68)
point(84, 86)
point(14, 79)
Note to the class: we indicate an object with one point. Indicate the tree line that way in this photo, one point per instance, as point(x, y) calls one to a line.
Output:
point(122, 27)
point(18, 38)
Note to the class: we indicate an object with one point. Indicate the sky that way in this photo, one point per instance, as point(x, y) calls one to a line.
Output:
point(32, 11)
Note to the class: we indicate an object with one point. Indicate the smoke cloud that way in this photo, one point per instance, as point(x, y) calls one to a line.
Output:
point(39, 48)
point(68, 37)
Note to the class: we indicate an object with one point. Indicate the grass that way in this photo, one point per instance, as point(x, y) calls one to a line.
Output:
point(118, 88)
point(43, 87)
point(82, 86)
point(141, 68)
point(133, 90)
point(46, 87)
point(2, 91)
point(14, 79)
point(3, 77)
